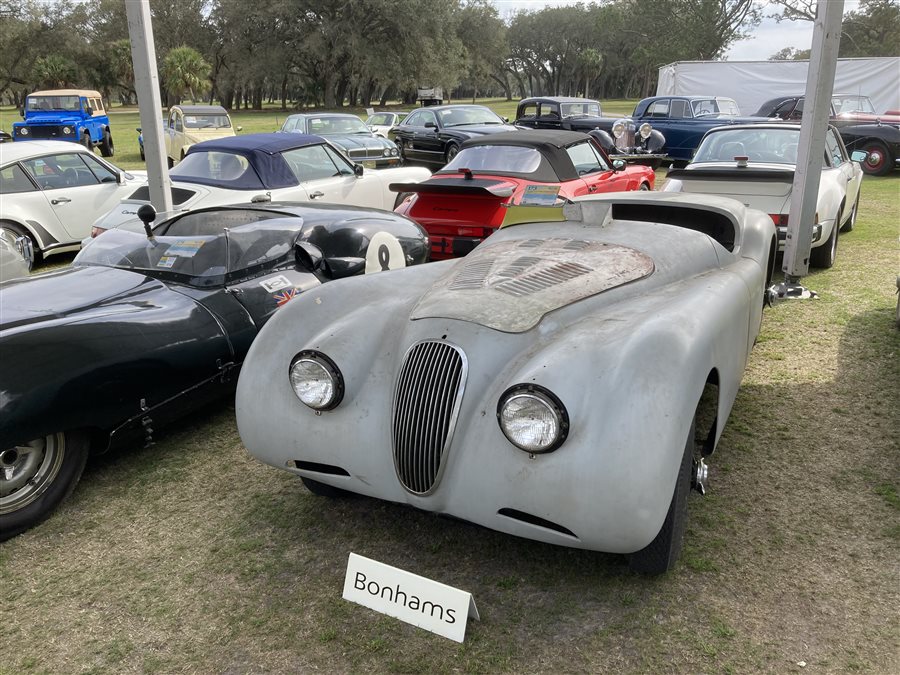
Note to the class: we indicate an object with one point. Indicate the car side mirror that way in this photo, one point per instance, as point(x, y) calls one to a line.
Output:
point(858, 156)
point(308, 255)
point(506, 119)
point(120, 177)
point(430, 125)
point(358, 170)
point(619, 165)
point(239, 128)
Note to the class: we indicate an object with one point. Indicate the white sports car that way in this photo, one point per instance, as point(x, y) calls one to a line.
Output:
point(270, 167)
point(52, 191)
point(755, 164)
point(563, 382)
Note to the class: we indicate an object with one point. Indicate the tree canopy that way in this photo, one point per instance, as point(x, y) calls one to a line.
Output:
point(332, 53)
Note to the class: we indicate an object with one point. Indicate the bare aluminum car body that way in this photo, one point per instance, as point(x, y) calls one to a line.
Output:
point(625, 311)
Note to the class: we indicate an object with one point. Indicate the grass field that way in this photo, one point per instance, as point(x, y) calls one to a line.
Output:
point(189, 556)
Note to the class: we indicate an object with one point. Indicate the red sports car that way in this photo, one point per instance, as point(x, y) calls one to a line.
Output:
point(467, 200)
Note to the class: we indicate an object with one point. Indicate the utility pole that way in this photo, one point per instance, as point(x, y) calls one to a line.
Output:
point(146, 84)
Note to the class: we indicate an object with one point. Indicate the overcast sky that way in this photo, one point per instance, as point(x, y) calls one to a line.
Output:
point(768, 37)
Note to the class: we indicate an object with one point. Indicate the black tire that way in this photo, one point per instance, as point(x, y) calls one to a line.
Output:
point(452, 151)
point(661, 554)
point(86, 140)
point(879, 162)
point(401, 150)
point(644, 187)
point(170, 161)
point(323, 490)
point(824, 256)
point(44, 473)
point(107, 149)
point(20, 231)
point(851, 221)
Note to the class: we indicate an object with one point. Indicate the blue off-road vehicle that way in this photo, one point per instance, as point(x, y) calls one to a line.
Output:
point(66, 115)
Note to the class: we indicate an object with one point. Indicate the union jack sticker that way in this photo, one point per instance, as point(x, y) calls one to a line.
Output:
point(285, 296)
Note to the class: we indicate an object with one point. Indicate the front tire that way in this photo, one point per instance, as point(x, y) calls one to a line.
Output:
point(35, 478)
point(452, 151)
point(661, 554)
point(107, 149)
point(879, 162)
point(323, 490)
point(86, 141)
point(851, 221)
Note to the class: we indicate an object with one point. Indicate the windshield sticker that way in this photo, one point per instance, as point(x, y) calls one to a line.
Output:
point(275, 283)
point(186, 249)
point(540, 195)
point(285, 297)
point(167, 261)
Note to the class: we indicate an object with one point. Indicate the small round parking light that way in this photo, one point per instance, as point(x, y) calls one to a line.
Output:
point(532, 418)
point(316, 380)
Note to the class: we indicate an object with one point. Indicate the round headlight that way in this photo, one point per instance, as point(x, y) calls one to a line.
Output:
point(532, 418)
point(645, 130)
point(618, 128)
point(394, 152)
point(23, 131)
point(67, 130)
point(316, 380)
point(386, 152)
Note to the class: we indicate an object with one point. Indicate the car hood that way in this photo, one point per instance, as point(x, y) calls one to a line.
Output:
point(73, 294)
point(355, 141)
point(49, 119)
point(482, 129)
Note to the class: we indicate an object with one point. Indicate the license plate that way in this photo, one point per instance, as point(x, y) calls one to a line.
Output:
point(369, 163)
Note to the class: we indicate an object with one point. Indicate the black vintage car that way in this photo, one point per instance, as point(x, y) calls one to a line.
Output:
point(143, 329)
point(620, 137)
point(860, 127)
point(433, 135)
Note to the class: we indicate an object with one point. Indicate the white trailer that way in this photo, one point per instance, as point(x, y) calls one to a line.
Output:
point(752, 83)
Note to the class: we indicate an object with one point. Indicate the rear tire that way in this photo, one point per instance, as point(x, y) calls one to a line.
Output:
point(86, 141)
point(824, 256)
point(452, 151)
point(879, 162)
point(644, 188)
point(661, 554)
point(107, 149)
point(41, 475)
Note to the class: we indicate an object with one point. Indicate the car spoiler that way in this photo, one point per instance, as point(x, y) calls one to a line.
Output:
point(458, 186)
point(774, 175)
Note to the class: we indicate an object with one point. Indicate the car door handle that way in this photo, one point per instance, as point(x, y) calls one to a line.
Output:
point(317, 193)
point(60, 200)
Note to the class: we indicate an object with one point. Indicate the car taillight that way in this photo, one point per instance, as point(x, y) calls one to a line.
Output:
point(97, 231)
point(780, 219)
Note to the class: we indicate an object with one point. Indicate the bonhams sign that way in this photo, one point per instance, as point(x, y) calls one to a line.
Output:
point(422, 602)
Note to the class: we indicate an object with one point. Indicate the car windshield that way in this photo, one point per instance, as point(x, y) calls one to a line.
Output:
point(850, 104)
point(589, 108)
point(200, 260)
point(778, 146)
point(207, 122)
point(39, 103)
point(218, 168)
point(500, 159)
point(323, 126)
point(455, 117)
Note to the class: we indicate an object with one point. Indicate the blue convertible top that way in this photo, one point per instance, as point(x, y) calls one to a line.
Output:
point(263, 151)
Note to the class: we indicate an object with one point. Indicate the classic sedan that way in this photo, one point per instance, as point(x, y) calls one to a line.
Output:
point(53, 190)
point(618, 136)
point(860, 127)
point(143, 329)
point(564, 382)
point(382, 122)
point(349, 133)
point(755, 164)
point(468, 199)
point(263, 167)
point(435, 134)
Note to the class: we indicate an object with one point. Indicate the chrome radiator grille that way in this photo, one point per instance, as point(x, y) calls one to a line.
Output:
point(426, 404)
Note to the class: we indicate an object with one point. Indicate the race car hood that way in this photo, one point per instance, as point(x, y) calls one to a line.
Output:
point(73, 294)
point(510, 285)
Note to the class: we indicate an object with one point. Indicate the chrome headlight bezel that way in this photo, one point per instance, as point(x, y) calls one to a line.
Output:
point(324, 367)
point(67, 131)
point(619, 128)
point(23, 131)
point(645, 130)
point(542, 398)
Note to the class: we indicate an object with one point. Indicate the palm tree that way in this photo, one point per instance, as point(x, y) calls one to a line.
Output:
point(185, 71)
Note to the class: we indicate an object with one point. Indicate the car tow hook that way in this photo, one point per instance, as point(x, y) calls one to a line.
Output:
point(700, 476)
